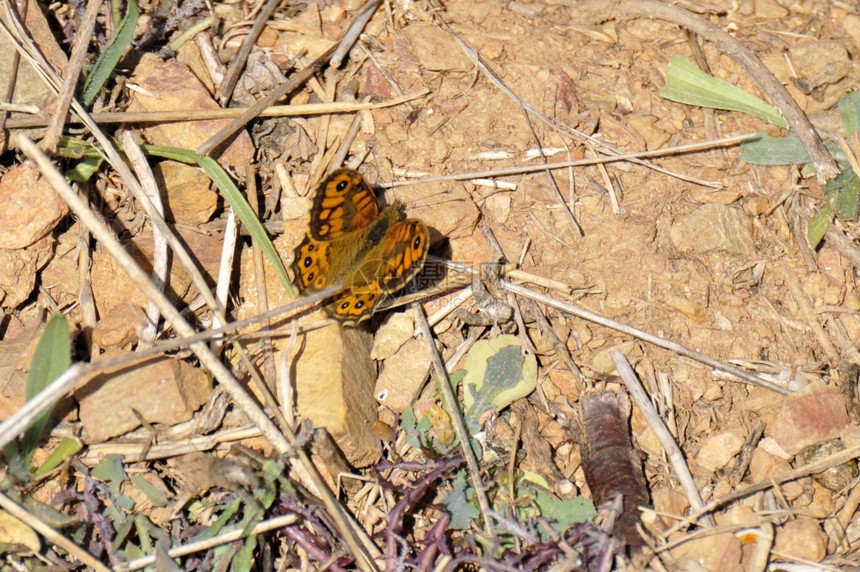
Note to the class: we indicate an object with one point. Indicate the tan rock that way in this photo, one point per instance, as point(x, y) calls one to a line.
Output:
point(403, 375)
point(31, 207)
point(186, 193)
point(167, 391)
point(717, 450)
point(170, 86)
point(718, 552)
point(801, 538)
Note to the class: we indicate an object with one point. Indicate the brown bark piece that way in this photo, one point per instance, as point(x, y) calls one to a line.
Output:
point(612, 467)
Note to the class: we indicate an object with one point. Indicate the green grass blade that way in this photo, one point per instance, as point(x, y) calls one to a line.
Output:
point(767, 150)
point(234, 197)
point(818, 224)
point(686, 83)
point(52, 357)
point(111, 55)
point(849, 107)
point(68, 447)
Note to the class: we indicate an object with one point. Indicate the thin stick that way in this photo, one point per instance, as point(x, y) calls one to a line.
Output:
point(510, 171)
point(667, 441)
point(200, 545)
point(202, 114)
point(160, 251)
point(457, 418)
point(79, 51)
point(645, 336)
point(225, 91)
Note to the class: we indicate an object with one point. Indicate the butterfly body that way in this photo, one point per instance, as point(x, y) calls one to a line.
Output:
point(351, 241)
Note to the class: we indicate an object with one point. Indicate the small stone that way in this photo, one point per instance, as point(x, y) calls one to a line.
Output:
point(816, 414)
point(186, 192)
point(801, 538)
point(403, 376)
point(31, 207)
point(717, 450)
point(397, 329)
point(713, 227)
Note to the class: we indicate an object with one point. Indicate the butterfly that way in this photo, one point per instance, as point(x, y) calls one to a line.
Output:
point(371, 251)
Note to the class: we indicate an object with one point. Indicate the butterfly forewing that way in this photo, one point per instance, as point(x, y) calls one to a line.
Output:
point(372, 252)
point(344, 203)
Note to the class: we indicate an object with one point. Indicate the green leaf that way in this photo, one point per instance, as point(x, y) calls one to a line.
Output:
point(235, 199)
point(153, 493)
point(244, 560)
point(51, 358)
point(842, 192)
point(110, 470)
point(767, 150)
point(222, 520)
point(462, 511)
point(819, 224)
point(111, 55)
point(563, 513)
point(686, 83)
point(65, 450)
point(144, 530)
point(497, 374)
point(849, 107)
point(85, 169)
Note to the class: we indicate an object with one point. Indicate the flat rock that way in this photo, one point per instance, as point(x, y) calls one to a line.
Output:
point(186, 192)
point(713, 227)
point(812, 416)
point(171, 86)
point(167, 392)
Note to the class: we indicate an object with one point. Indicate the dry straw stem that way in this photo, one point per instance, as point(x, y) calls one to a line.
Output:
point(667, 441)
point(191, 548)
point(304, 469)
point(50, 534)
point(729, 141)
point(229, 113)
point(645, 336)
point(133, 453)
point(824, 163)
point(459, 427)
point(237, 65)
point(70, 81)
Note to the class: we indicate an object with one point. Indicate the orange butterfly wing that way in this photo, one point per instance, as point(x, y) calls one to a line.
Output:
point(343, 203)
